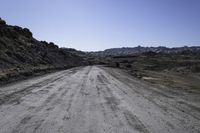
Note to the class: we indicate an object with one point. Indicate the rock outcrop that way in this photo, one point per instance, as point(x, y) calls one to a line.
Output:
point(22, 55)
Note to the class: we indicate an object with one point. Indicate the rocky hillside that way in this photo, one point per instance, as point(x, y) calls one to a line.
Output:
point(22, 55)
point(140, 50)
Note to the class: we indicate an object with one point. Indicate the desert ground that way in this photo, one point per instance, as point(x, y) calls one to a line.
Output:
point(96, 99)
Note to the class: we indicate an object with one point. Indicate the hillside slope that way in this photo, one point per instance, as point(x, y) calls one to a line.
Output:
point(22, 55)
point(174, 70)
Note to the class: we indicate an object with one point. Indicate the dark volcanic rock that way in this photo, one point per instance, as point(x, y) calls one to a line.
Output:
point(2, 22)
point(22, 55)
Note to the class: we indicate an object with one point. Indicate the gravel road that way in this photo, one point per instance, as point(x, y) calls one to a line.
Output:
point(95, 99)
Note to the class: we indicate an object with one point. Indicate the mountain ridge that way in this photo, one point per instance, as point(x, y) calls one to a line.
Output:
point(124, 51)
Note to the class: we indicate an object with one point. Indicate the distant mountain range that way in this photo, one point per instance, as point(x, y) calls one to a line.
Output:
point(139, 50)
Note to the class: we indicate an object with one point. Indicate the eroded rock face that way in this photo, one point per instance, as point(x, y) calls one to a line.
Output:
point(20, 52)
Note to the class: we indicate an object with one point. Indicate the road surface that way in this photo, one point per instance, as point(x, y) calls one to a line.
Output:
point(94, 99)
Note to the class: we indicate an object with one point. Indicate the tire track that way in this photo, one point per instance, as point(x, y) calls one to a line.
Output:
point(94, 99)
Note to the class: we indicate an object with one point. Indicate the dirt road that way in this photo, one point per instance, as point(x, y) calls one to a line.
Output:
point(95, 99)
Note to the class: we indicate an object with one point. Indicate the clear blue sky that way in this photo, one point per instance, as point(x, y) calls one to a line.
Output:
point(99, 24)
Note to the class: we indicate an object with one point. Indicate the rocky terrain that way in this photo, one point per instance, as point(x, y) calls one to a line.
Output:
point(21, 55)
point(177, 70)
point(141, 89)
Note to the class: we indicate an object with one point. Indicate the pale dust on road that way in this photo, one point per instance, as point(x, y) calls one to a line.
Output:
point(94, 99)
